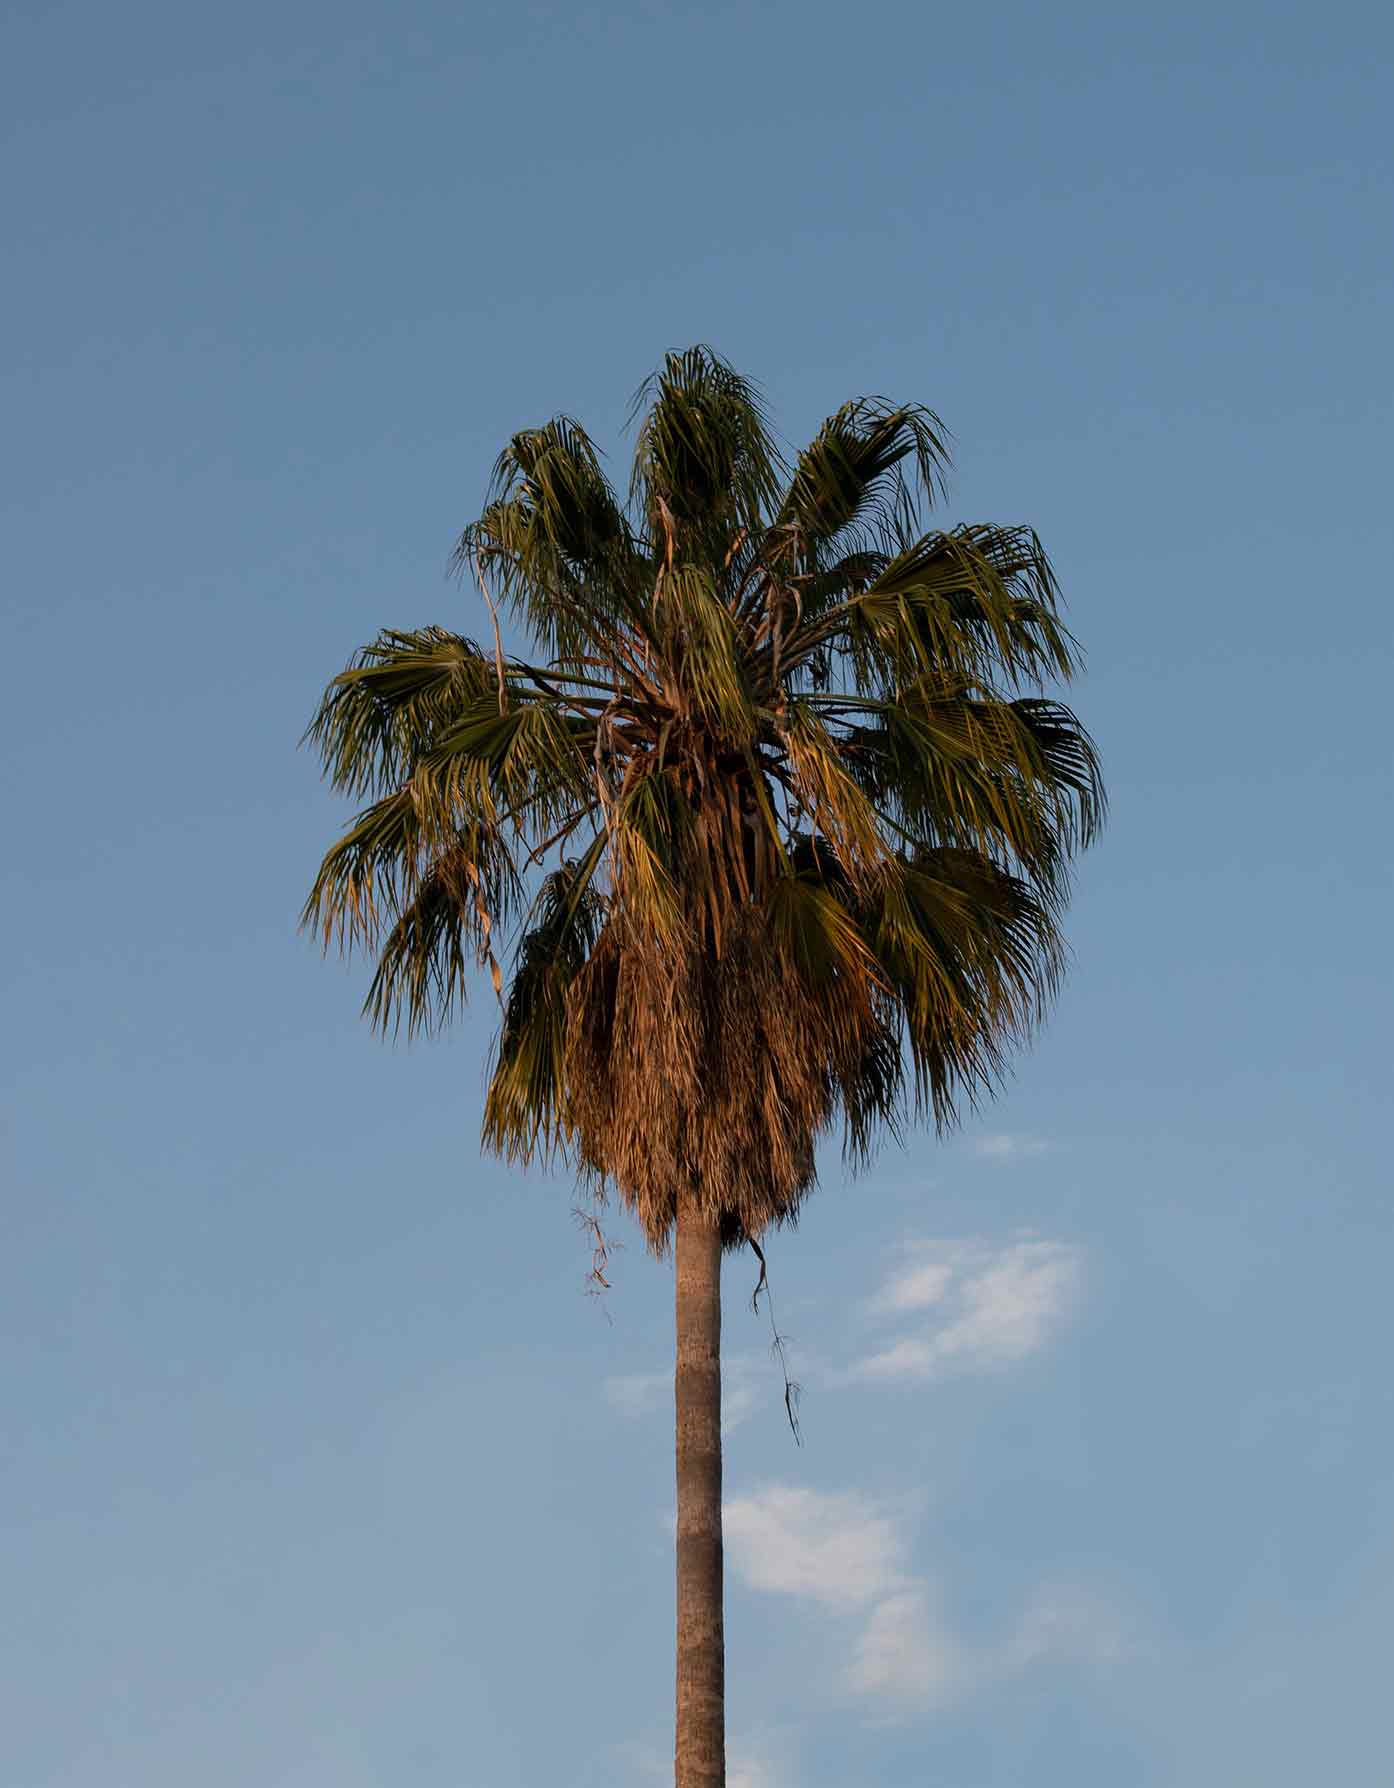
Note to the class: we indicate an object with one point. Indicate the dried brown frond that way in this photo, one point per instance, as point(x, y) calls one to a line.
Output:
point(711, 1079)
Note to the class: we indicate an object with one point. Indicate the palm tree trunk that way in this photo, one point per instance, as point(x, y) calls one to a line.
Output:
point(700, 1752)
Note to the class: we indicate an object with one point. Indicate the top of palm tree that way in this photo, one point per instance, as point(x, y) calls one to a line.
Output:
point(777, 801)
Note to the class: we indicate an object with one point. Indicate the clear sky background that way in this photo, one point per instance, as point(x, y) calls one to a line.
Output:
point(321, 1471)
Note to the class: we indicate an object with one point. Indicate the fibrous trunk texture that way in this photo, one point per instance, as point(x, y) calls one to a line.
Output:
point(700, 1754)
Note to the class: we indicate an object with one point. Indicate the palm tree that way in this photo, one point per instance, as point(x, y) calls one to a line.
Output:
point(779, 807)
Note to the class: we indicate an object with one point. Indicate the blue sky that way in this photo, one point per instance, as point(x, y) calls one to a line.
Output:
point(322, 1471)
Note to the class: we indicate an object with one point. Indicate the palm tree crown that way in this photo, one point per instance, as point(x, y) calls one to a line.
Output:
point(777, 802)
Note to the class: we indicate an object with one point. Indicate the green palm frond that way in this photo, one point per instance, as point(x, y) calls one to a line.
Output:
point(372, 869)
point(702, 649)
point(441, 931)
point(530, 762)
point(953, 764)
point(981, 601)
point(827, 790)
point(554, 546)
point(526, 1101)
point(783, 798)
point(973, 955)
point(814, 928)
point(705, 464)
point(852, 475)
point(380, 714)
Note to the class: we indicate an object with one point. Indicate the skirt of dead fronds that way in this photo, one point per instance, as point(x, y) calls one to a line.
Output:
point(711, 1080)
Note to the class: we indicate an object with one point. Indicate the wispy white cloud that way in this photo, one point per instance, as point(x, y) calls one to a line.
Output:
point(991, 1307)
point(842, 1551)
point(905, 1655)
point(1010, 1303)
point(1003, 1148)
point(982, 1306)
point(850, 1556)
point(924, 1283)
point(908, 1358)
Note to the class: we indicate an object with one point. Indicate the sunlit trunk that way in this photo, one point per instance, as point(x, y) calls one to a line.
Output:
point(700, 1754)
